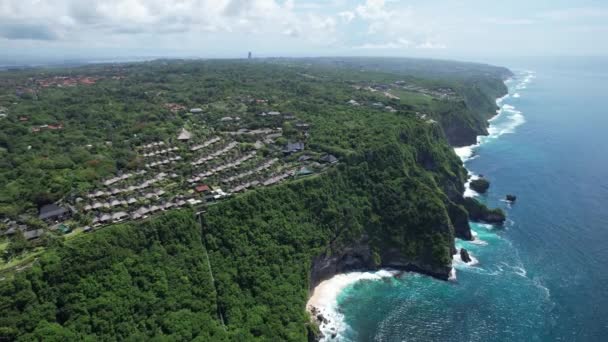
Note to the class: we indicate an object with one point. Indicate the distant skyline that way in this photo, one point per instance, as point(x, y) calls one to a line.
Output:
point(465, 29)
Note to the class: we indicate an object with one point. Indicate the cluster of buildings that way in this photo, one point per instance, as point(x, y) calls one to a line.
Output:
point(141, 184)
point(443, 93)
point(378, 105)
point(52, 214)
point(65, 81)
point(160, 151)
point(232, 145)
point(229, 159)
point(174, 107)
point(13, 227)
point(51, 127)
point(205, 144)
point(265, 165)
point(279, 177)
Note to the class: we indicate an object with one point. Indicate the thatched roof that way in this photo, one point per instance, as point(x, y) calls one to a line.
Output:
point(184, 135)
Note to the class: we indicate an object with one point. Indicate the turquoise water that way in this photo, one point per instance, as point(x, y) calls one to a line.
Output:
point(544, 277)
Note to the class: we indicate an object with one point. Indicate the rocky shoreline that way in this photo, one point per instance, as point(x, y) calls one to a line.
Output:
point(360, 257)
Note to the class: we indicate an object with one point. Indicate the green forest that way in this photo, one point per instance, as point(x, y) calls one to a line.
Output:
point(242, 269)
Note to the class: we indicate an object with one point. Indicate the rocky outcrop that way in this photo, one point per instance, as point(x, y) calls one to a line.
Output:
point(460, 134)
point(354, 258)
point(480, 185)
point(480, 213)
point(464, 255)
point(460, 221)
point(511, 198)
point(359, 257)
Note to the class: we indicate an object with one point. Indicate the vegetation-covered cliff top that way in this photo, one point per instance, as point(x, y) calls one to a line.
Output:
point(360, 156)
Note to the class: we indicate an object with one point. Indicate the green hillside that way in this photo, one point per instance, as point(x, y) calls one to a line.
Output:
point(391, 198)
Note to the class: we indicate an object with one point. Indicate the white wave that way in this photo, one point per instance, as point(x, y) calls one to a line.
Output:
point(465, 152)
point(542, 287)
point(458, 263)
point(514, 118)
point(477, 241)
point(468, 192)
point(495, 130)
point(486, 226)
point(325, 295)
point(324, 299)
point(452, 276)
point(520, 271)
point(527, 78)
point(501, 99)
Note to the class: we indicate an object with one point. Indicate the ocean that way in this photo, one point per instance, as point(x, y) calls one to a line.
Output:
point(544, 276)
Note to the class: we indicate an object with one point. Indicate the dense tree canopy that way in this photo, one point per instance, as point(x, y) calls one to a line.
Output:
point(243, 271)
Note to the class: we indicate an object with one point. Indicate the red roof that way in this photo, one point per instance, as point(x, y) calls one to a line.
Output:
point(56, 126)
point(202, 188)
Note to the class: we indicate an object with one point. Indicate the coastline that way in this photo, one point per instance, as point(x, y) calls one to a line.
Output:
point(322, 303)
point(467, 153)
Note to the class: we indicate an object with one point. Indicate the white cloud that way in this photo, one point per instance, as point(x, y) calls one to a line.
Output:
point(400, 44)
point(379, 46)
point(78, 19)
point(374, 10)
point(296, 27)
point(347, 16)
point(397, 44)
point(509, 21)
point(575, 13)
point(390, 25)
point(430, 45)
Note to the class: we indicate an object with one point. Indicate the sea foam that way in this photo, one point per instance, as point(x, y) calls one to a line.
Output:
point(325, 299)
point(468, 192)
point(505, 121)
point(458, 263)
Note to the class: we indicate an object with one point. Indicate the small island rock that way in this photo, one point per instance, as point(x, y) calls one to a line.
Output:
point(464, 255)
point(511, 198)
point(480, 185)
point(479, 212)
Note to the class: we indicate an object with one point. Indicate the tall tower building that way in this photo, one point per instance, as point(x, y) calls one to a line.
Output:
point(249, 55)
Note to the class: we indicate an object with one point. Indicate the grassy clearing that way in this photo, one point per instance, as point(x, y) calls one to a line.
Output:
point(412, 98)
point(21, 260)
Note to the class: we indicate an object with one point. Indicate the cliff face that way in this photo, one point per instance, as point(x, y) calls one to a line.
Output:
point(460, 126)
point(460, 220)
point(360, 257)
point(393, 201)
point(469, 118)
point(462, 134)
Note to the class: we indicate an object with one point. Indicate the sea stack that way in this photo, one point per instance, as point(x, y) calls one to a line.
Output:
point(479, 212)
point(464, 255)
point(480, 185)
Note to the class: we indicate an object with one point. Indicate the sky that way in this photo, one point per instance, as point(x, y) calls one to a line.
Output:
point(462, 29)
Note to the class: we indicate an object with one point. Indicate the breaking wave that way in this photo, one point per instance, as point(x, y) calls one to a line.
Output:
point(324, 300)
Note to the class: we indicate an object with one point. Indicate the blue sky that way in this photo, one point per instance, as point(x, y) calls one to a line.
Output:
point(472, 29)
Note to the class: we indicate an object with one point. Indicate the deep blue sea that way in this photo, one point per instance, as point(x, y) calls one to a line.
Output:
point(544, 277)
